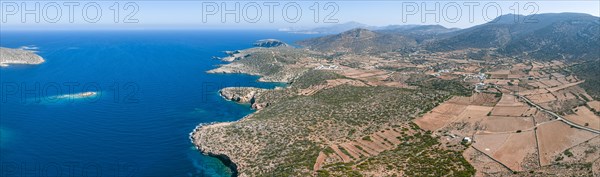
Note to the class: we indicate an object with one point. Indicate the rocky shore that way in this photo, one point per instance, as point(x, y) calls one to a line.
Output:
point(244, 95)
point(272, 64)
point(240, 94)
point(261, 61)
point(241, 54)
point(196, 135)
point(18, 56)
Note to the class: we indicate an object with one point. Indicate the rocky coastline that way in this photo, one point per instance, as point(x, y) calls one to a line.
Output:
point(222, 157)
point(242, 95)
point(273, 64)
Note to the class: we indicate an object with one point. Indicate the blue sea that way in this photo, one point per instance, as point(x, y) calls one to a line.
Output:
point(152, 90)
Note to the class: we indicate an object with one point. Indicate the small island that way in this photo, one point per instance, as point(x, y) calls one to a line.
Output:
point(77, 95)
point(18, 56)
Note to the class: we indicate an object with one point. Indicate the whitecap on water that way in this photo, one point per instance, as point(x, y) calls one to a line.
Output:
point(67, 98)
point(29, 47)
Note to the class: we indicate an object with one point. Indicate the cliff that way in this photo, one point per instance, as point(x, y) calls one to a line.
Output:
point(240, 94)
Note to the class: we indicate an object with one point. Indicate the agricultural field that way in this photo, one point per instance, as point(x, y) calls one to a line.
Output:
point(556, 137)
point(510, 149)
point(517, 133)
point(584, 116)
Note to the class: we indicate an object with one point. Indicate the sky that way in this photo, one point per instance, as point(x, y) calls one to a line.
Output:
point(231, 14)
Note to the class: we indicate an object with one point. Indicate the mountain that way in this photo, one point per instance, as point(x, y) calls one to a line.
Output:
point(332, 29)
point(541, 36)
point(389, 38)
point(410, 29)
point(339, 28)
point(569, 36)
point(394, 27)
point(360, 40)
point(419, 32)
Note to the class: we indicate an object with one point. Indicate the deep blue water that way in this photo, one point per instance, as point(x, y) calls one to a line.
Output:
point(152, 91)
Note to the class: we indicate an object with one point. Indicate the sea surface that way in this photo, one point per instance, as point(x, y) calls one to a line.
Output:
point(152, 90)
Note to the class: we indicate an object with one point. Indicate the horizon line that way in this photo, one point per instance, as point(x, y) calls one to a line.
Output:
point(156, 27)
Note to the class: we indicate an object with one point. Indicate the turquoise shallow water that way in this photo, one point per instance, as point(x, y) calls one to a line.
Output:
point(152, 90)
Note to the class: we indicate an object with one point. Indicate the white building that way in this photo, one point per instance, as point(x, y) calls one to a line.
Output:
point(466, 140)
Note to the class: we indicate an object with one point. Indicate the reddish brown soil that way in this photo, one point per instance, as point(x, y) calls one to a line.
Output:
point(509, 149)
point(555, 137)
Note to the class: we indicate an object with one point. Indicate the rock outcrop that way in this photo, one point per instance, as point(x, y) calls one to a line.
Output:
point(233, 55)
point(240, 94)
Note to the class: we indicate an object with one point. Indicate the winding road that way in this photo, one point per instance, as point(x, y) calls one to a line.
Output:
point(558, 117)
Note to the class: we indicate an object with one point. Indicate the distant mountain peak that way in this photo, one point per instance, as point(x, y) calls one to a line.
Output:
point(569, 36)
point(353, 23)
point(332, 28)
point(508, 19)
point(358, 30)
point(358, 33)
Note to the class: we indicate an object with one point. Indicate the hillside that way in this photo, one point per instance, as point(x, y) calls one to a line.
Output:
point(286, 138)
point(276, 64)
point(421, 33)
point(360, 41)
point(568, 36)
point(332, 29)
point(590, 72)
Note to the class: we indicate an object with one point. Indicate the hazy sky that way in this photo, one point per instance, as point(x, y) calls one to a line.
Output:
point(107, 14)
